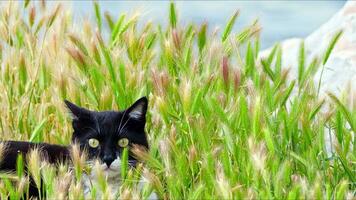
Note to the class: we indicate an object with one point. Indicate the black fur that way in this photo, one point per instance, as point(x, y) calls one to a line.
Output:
point(107, 127)
point(53, 154)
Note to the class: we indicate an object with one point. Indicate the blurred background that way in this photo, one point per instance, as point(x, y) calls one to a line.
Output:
point(279, 19)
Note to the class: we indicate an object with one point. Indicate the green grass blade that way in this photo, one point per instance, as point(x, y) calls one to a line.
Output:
point(202, 37)
point(124, 163)
point(117, 28)
point(331, 46)
point(172, 15)
point(36, 135)
point(327, 54)
point(266, 67)
point(301, 62)
point(97, 15)
point(229, 26)
point(316, 110)
point(287, 93)
point(344, 111)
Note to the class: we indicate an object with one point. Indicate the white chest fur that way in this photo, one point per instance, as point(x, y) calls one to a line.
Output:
point(112, 183)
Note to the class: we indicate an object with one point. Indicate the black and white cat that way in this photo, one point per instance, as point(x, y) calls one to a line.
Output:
point(102, 135)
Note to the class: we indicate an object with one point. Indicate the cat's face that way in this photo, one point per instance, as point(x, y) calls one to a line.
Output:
point(104, 135)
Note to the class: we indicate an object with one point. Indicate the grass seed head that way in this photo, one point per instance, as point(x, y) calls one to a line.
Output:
point(76, 190)
point(173, 134)
point(48, 173)
point(126, 194)
point(257, 154)
point(32, 15)
point(34, 165)
point(140, 152)
point(222, 99)
point(164, 148)
point(350, 195)
point(186, 89)
point(22, 185)
point(154, 181)
point(285, 73)
point(160, 81)
point(225, 70)
point(77, 56)
point(78, 159)
point(176, 39)
point(43, 5)
point(99, 38)
point(62, 183)
point(251, 194)
point(189, 105)
point(192, 154)
point(223, 185)
point(54, 15)
point(237, 79)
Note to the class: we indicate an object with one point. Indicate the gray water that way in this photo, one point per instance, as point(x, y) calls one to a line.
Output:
point(279, 19)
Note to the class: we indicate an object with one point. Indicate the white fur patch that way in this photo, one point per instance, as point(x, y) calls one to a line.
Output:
point(113, 178)
point(137, 112)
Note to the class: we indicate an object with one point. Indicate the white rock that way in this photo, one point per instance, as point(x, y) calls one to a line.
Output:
point(339, 76)
point(340, 70)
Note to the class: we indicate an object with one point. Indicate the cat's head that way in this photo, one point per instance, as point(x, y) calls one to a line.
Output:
point(104, 135)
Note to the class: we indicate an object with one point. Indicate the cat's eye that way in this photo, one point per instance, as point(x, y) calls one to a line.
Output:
point(123, 142)
point(94, 143)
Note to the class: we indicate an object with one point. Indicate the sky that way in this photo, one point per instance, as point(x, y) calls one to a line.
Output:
point(279, 19)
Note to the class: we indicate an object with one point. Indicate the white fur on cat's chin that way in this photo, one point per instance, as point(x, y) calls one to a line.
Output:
point(113, 178)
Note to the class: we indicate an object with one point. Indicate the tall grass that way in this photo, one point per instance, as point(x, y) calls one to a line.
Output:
point(221, 124)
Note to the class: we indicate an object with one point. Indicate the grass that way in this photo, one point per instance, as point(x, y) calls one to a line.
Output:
point(221, 123)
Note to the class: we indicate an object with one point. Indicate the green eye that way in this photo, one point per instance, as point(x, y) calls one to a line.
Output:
point(94, 143)
point(123, 142)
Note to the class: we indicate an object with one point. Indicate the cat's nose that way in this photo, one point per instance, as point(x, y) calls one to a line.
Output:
point(108, 159)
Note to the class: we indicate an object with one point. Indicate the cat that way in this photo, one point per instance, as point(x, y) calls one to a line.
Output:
point(101, 134)
point(12, 149)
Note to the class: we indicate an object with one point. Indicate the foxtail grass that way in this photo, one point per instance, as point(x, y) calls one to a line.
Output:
point(222, 122)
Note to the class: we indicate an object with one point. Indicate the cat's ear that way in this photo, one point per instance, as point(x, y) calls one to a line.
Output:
point(76, 111)
point(138, 110)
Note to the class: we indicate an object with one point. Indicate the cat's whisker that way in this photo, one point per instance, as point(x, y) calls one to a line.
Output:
point(97, 125)
point(121, 122)
point(124, 125)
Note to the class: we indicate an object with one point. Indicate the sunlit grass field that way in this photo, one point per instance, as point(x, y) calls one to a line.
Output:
point(222, 123)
